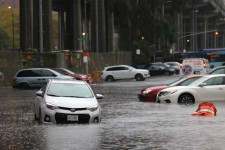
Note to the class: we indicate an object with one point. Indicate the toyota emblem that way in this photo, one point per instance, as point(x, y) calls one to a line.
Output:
point(73, 110)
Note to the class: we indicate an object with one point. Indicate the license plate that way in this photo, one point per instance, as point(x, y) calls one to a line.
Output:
point(197, 72)
point(72, 117)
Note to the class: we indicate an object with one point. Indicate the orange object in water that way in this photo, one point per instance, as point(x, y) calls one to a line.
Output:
point(89, 77)
point(205, 109)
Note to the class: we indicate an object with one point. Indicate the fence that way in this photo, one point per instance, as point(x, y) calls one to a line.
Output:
point(12, 61)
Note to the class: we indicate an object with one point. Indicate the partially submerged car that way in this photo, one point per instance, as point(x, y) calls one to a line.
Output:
point(150, 93)
point(67, 101)
point(208, 88)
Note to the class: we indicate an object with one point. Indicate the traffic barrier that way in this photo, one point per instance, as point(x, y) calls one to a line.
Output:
point(205, 109)
point(89, 77)
point(97, 76)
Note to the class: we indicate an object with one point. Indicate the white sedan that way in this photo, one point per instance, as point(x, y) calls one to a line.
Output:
point(207, 88)
point(67, 101)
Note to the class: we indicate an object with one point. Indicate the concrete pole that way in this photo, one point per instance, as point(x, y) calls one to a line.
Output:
point(41, 26)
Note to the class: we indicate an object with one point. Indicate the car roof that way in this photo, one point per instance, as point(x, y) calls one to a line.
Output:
point(117, 66)
point(215, 75)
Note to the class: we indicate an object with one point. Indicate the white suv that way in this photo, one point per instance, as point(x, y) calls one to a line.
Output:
point(112, 73)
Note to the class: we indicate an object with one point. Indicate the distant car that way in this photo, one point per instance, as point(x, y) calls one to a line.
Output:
point(194, 66)
point(67, 101)
point(72, 74)
point(118, 72)
point(35, 77)
point(205, 89)
point(175, 65)
point(160, 69)
point(150, 93)
point(1, 76)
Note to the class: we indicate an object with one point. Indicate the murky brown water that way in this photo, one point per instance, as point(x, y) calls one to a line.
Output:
point(126, 124)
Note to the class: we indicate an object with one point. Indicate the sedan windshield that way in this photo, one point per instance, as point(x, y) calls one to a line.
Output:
point(69, 90)
point(198, 81)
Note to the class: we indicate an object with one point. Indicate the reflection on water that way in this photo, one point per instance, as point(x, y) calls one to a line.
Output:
point(126, 124)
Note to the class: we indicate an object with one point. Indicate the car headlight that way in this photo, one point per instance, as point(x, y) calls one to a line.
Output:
point(51, 106)
point(146, 91)
point(169, 92)
point(93, 108)
point(84, 76)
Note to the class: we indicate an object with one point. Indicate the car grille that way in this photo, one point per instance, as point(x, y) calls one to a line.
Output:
point(76, 109)
point(161, 93)
point(62, 118)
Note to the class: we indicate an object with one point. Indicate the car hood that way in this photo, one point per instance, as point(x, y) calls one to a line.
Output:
point(71, 102)
point(156, 87)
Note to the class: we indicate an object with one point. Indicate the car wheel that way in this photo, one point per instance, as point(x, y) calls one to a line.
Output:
point(110, 79)
point(186, 99)
point(23, 86)
point(139, 77)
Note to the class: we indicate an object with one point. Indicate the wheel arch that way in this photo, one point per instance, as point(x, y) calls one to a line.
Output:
point(189, 93)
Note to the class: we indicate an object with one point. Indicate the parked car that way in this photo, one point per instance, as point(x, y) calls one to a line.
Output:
point(1, 76)
point(207, 88)
point(150, 93)
point(113, 73)
point(175, 65)
point(160, 69)
point(72, 74)
point(67, 101)
point(35, 77)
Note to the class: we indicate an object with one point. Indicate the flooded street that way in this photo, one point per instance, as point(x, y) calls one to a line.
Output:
point(126, 123)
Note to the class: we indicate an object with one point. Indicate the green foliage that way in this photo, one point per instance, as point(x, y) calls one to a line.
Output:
point(4, 38)
point(8, 17)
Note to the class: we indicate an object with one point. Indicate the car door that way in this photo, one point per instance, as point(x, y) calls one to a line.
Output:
point(34, 77)
point(127, 73)
point(213, 90)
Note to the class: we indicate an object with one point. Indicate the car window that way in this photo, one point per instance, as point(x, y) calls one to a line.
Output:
point(72, 90)
point(215, 81)
point(60, 71)
point(47, 73)
point(29, 73)
point(189, 81)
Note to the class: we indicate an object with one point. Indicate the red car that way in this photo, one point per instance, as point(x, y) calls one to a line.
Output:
point(72, 74)
point(149, 94)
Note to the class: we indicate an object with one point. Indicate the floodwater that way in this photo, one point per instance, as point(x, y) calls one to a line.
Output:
point(126, 123)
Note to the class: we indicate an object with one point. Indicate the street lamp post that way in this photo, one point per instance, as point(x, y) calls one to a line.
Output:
point(12, 24)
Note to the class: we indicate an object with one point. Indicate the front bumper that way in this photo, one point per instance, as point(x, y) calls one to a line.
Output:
point(60, 116)
point(170, 98)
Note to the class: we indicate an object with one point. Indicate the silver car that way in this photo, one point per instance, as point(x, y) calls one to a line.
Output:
point(36, 77)
point(67, 101)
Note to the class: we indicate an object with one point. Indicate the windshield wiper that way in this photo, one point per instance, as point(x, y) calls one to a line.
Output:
point(53, 95)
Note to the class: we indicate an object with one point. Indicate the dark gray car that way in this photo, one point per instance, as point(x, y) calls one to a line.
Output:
point(35, 77)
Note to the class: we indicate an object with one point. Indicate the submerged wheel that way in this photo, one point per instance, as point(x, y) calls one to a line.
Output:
point(139, 77)
point(110, 79)
point(186, 99)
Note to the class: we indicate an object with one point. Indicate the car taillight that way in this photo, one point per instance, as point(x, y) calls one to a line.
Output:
point(204, 65)
point(180, 65)
point(14, 79)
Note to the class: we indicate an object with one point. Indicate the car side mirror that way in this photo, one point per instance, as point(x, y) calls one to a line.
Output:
point(99, 96)
point(202, 84)
point(39, 93)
